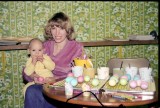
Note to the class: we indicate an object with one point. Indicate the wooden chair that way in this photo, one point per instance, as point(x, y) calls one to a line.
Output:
point(125, 62)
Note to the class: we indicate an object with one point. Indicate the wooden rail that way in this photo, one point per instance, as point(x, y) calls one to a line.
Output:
point(90, 44)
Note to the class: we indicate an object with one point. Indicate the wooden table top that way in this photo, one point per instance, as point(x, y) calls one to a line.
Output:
point(106, 100)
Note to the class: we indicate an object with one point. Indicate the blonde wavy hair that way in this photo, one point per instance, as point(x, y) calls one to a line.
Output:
point(61, 20)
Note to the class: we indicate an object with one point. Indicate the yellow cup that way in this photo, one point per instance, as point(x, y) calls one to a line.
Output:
point(89, 72)
point(82, 62)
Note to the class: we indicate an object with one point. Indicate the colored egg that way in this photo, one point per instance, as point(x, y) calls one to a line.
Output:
point(74, 82)
point(138, 82)
point(144, 85)
point(68, 79)
point(115, 78)
point(124, 77)
point(136, 77)
point(112, 82)
point(116, 75)
point(123, 81)
point(129, 77)
point(80, 79)
point(86, 78)
point(70, 74)
point(133, 84)
point(40, 79)
point(95, 82)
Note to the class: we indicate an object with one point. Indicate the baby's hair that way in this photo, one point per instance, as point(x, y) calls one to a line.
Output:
point(34, 39)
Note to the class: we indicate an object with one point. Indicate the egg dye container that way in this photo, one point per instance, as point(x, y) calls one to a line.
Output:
point(89, 72)
point(132, 71)
point(119, 71)
point(77, 71)
point(102, 72)
point(68, 89)
point(83, 62)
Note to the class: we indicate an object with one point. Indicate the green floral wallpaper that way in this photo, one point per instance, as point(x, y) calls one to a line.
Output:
point(92, 21)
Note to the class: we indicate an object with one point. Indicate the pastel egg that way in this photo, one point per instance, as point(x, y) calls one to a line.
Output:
point(115, 78)
point(80, 79)
point(74, 82)
point(112, 82)
point(136, 77)
point(86, 78)
point(68, 79)
point(138, 82)
point(123, 81)
point(40, 79)
point(144, 85)
point(133, 84)
point(70, 74)
point(116, 75)
point(124, 77)
point(129, 77)
point(95, 82)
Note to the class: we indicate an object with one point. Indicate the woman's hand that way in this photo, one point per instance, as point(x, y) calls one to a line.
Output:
point(50, 80)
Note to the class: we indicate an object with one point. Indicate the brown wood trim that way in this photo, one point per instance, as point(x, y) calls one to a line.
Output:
point(91, 44)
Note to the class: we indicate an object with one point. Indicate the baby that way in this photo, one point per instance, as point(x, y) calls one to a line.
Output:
point(39, 65)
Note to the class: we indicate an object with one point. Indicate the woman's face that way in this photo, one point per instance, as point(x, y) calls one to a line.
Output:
point(59, 34)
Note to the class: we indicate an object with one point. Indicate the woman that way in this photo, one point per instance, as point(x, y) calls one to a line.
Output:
point(62, 48)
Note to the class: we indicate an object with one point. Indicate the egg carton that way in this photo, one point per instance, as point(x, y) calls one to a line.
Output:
point(61, 85)
point(127, 89)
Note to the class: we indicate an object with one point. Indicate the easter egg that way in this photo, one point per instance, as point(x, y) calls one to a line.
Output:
point(115, 78)
point(95, 82)
point(41, 79)
point(136, 77)
point(116, 75)
point(74, 82)
point(80, 79)
point(86, 78)
point(144, 85)
point(124, 77)
point(68, 79)
point(133, 84)
point(123, 81)
point(138, 82)
point(112, 82)
point(129, 77)
point(70, 74)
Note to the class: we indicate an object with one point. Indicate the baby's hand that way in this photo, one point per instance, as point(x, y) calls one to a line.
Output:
point(40, 58)
point(34, 59)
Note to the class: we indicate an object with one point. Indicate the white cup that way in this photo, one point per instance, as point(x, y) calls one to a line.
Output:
point(132, 71)
point(102, 72)
point(77, 71)
point(145, 73)
point(68, 89)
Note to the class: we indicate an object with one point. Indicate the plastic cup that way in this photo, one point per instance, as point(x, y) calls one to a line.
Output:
point(77, 71)
point(103, 72)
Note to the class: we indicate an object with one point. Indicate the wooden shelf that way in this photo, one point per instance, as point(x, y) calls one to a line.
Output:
point(90, 44)
point(119, 43)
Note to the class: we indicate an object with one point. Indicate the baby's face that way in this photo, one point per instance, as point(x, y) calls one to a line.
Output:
point(36, 49)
